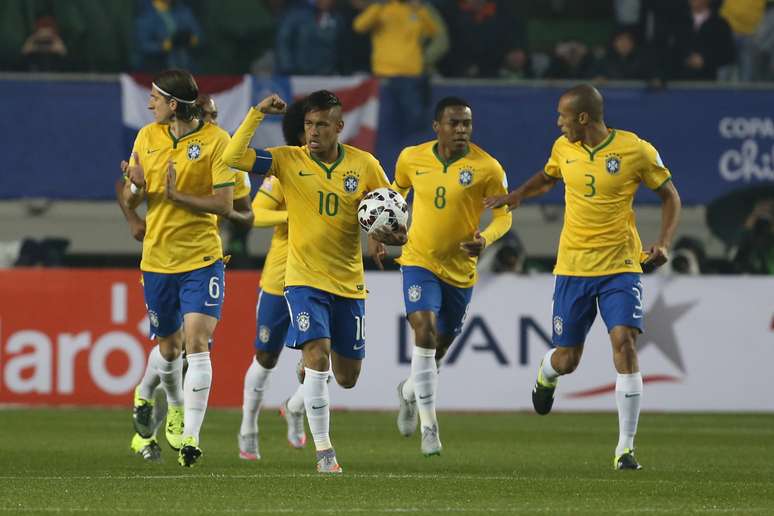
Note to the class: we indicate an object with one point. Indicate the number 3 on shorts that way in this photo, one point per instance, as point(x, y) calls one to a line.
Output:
point(214, 288)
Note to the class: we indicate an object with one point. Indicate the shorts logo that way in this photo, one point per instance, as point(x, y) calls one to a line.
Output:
point(194, 151)
point(613, 164)
point(414, 293)
point(558, 325)
point(303, 321)
point(351, 181)
point(466, 176)
point(154, 318)
point(264, 333)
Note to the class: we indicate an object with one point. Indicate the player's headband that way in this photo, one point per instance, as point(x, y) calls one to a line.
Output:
point(172, 96)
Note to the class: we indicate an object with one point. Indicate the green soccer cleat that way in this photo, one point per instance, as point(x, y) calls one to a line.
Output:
point(543, 393)
point(174, 428)
point(142, 415)
point(626, 460)
point(147, 448)
point(189, 452)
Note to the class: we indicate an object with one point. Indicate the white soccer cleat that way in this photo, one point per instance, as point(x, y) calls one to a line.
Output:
point(407, 414)
point(431, 442)
point(327, 463)
point(248, 447)
point(295, 421)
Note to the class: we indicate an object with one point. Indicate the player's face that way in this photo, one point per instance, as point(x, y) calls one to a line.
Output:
point(162, 111)
point(210, 112)
point(321, 130)
point(569, 120)
point(455, 128)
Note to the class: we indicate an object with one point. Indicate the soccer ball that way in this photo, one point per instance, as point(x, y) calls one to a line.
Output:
point(382, 208)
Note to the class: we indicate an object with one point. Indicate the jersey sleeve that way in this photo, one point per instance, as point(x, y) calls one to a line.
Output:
point(378, 176)
point(267, 204)
point(653, 172)
point(279, 157)
point(402, 182)
point(241, 184)
point(138, 147)
point(552, 168)
point(222, 175)
point(497, 183)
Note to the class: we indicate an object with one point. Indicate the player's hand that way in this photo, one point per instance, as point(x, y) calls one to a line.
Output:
point(385, 236)
point(137, 229)
point(658, 255)
point(171, 191)
point(272, 105)
point(475, 246)
point(499, 201)
point(377, 251)
point(135, 172)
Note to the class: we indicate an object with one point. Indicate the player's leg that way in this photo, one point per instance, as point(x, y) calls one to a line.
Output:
point(293, 410)
point(620, 303)
point(574, 310)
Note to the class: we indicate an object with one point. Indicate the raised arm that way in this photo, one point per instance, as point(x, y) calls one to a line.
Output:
point(238, 153)
point(535, 186)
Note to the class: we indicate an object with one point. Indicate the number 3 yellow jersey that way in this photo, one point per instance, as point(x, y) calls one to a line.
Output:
point(176, 238)
point(600, 236)
point(447, 208)
point(324, 248)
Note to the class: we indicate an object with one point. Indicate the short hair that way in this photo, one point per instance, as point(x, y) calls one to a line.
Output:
point(448, 102)
point(180, 86)
point(321, 100)
point(587, 99)
point(293, 122)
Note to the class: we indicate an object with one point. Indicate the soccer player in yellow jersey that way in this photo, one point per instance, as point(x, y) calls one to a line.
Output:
point(182, 262)
point(323, 183)
point(600, 251)
point(450, 177)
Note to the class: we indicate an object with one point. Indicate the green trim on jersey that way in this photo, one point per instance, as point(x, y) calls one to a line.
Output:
point(447, 164)
point(175, 141)
point(329, 171)
point(223, 185)
point(662, 184)
point(601, 146)
point(267, 194)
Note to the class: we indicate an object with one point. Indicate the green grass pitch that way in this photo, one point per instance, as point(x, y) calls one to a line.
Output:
point(78, 461)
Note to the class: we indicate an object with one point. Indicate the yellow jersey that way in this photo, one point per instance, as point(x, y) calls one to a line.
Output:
point(269, 208)
point(447, 208)
point(600, 236)
point(242, 184)
point(324, 249)
point(176, 238)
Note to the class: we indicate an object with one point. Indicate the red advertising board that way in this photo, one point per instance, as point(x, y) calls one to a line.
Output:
point(79, 336)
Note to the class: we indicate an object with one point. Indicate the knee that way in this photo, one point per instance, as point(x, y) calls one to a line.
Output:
point(625, 344)
point(198, 343)
point(425, 334)
point(316, 359)
point(346, 379)
point(169, 353)
point(566, 362)
point(267, 360)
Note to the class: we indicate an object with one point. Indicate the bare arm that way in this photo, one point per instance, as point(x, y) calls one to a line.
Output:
point(136, 223)
point(219, 203)
point(535, 186)
point(658, 254)
point(242, 212)
point(136, 175)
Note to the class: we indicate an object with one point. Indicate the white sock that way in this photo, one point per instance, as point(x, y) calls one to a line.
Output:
point(256, 383)
point(424, 374)
point(549, 373)
point(150, 380)
point(198, 381)
point(628, 394)
point(296, 401)
point(171, 374)
point(318, 410)
point(408, 389)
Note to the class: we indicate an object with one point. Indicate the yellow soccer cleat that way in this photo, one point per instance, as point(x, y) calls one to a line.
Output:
point(174, 428)
point(189, 452)
point(147, 448)
point(142, 415)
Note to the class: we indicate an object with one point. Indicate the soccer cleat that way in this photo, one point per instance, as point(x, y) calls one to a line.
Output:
point(189, 452)
point(147, 448)
point(326, 462)
point(142, 415)
point(248, 446)
point(295, 421)
point(407, 414)
point(431, 442)
point(543, 393)
point(626, 460)
point(174, 428)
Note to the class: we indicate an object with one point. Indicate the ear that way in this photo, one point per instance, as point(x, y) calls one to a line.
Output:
point(340, 125)
point(436, 126)
point(583, 118)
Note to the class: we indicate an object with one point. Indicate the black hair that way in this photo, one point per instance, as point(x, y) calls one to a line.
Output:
point(181, 86)
point(587, 99)
point(321, 100)
point(448, 102)
point(293, 123)
point(201, 103)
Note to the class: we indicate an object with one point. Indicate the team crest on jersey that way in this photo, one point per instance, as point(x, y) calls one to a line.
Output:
point(558, 325)
point(194, 151)
point(466, 176)
point(302, 320)
point(613, 164)
point(154, 318)
point(414, 293)
point(264, 333)
point(351, 181)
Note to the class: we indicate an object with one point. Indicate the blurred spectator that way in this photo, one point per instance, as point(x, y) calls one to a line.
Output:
point(516, 65)
point(165, 33)
point(358, 45)
point(623, 60)
point(688, 257)
point(438, 45)
point(44, 50)
point(744, 17)
point(755, 254)
point(627, 13)
point(510, 255)
point(571, 60)
point(399, 29)
point(702, 44)
point(309, 39)
point(763, 43)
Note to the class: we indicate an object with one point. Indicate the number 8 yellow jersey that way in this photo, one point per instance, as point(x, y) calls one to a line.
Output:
point(600, 236)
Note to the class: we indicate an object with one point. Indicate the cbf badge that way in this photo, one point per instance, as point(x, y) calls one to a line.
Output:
point(466, 176)
point(351, 181)
point(194, 151)
point(613, 164)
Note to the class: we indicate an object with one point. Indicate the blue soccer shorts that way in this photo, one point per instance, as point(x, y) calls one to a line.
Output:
point(272, 319)
point(619, 297)
point(424, 291)
point(170, 296)
point(316, 314)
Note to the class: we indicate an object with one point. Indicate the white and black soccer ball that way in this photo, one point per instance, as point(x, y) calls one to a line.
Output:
point(382, 208)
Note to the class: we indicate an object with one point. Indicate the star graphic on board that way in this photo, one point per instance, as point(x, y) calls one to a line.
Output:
point(659, 324)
